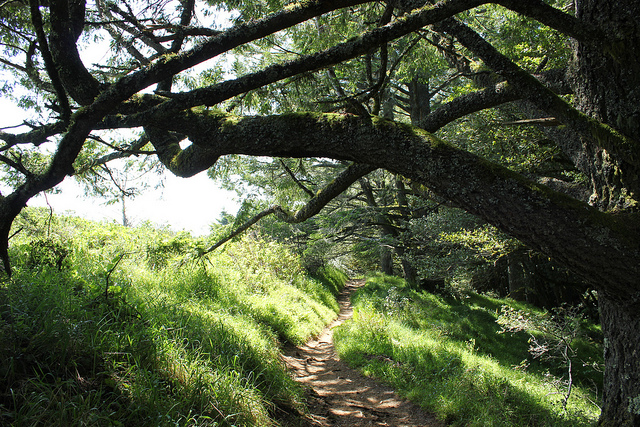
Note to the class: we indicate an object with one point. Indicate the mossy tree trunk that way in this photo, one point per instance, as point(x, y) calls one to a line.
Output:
point(607, 88)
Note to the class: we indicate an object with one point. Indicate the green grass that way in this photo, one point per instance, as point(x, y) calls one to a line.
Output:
point(104, 325)
point(448, 356)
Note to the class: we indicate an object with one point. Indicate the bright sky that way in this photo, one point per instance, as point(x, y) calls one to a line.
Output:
point(183, 204)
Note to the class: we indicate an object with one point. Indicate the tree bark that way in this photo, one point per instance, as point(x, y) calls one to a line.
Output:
point(621, 329)
point(607, 88)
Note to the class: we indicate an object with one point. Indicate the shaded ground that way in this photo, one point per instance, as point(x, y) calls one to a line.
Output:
point(340, 396)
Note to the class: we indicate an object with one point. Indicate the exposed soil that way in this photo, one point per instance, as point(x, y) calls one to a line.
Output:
point(340, 396)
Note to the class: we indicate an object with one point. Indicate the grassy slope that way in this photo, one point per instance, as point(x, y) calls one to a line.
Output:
point(103, 325)
point(448, 356)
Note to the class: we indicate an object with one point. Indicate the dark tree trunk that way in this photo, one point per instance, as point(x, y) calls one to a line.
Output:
point(419, 101)
point(408, 270)
point(607, 87)
point(517, 275)
point(621, 328)
point(386, 261)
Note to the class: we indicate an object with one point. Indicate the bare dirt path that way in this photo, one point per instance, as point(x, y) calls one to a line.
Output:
point(340, 396)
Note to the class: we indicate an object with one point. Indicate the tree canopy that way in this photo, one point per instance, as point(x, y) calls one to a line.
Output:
point(360, 82)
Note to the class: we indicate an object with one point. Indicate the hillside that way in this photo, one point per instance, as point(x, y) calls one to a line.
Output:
point(106, 325)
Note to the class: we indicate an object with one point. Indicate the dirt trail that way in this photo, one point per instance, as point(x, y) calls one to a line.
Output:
point(340, 396)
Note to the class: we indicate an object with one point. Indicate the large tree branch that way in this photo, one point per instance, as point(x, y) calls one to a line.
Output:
point(67, 21)
point(543, 13)
point(570, 231)
point(214, 94)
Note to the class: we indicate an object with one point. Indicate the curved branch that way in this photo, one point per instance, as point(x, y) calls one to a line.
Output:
point(583, 238)
point(311, 208)
point(67, 21)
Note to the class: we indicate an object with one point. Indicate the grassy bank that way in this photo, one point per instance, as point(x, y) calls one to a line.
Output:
point(105, 325)
point(452, 356)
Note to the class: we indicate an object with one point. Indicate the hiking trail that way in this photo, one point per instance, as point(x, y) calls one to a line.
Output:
point(339, 396)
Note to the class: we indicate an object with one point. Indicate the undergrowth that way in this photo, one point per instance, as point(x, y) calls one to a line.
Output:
point(105, 325)
point(453, 358)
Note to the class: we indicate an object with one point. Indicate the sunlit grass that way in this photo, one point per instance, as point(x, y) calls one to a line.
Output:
point(448, 356)
point(136, 329)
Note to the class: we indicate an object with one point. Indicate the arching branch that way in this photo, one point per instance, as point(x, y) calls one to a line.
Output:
point(582, 236)
point(311, 208)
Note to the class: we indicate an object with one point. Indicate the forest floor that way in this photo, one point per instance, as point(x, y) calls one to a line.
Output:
point(340, 396)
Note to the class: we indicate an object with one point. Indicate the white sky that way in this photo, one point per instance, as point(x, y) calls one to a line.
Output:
point(183, 204)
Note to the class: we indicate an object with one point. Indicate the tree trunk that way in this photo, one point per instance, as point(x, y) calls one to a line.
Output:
point(408, 270)
point(386, 261)
point(607, 87)
point(517, 274)
point(419, 101)
point(621, 328)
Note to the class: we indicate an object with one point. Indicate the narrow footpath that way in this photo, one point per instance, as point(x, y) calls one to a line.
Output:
point(340, 396)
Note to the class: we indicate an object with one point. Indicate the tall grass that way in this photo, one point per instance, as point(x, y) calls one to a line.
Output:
point(104, 325)
point(448, 356)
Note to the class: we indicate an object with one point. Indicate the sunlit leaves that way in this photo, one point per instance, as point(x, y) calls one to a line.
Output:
point(525, 41)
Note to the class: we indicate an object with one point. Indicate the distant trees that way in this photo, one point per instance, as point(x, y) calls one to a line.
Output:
point(567, 64)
